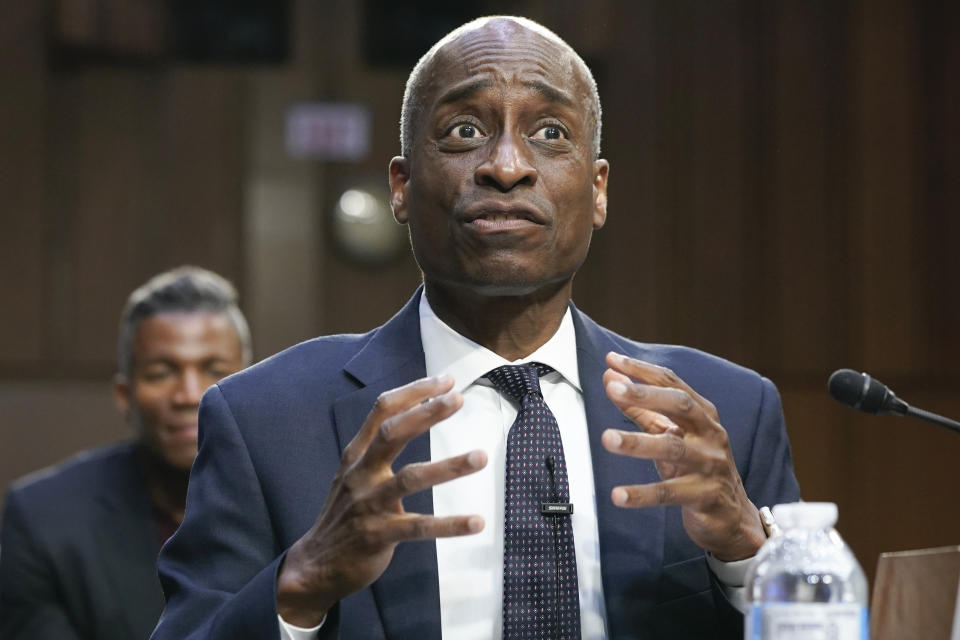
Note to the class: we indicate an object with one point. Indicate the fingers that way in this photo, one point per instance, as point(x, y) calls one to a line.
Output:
point(641, 403)
point(367, 488)
point(647, 419)
point(398, 429)
point(392, 403)
point(655, 375)
point(685, 490)
point(667, 447)
point(410, 526)
point(660, 401)
point(691, 451)
point(647, 373)
point(417, 477)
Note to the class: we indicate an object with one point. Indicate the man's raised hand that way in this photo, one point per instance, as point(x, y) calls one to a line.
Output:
point(363, 518)
point(682, 434)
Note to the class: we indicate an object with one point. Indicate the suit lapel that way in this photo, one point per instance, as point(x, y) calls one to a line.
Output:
point(631, 540)
point(408, 592)
point(128, 550)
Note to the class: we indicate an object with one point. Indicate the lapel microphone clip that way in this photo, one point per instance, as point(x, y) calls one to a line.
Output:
point(555, 508)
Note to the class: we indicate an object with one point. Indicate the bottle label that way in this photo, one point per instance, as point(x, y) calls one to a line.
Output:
point(806, 621)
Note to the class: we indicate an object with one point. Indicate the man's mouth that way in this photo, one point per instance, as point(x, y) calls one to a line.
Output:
point(500, 217)
point(186, 431)
point(494, 216)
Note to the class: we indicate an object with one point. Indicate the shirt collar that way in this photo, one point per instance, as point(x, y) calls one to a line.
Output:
point(447, 352)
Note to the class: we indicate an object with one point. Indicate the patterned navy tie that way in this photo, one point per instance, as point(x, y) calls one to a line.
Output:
point(540, 593)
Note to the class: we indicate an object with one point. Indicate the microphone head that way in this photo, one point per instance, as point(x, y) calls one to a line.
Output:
point(860, 391)
point(846, 386)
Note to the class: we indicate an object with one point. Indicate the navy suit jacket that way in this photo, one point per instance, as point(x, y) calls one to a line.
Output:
point(78, 555)
point(271, 438)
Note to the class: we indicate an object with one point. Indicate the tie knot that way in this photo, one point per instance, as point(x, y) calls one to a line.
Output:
point(518, 380)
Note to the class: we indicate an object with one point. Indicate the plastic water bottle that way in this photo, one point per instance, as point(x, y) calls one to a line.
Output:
point(805, 583)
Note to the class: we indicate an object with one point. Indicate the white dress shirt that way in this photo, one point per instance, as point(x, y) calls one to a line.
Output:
point(470, 568)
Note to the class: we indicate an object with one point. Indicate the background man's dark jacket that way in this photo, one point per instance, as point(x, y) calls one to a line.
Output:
point(78, 552)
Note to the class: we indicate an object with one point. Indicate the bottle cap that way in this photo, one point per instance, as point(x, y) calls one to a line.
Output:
point(806, 515)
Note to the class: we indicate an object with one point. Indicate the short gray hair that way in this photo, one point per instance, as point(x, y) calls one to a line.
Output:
point(413, 98)
point(185, 289)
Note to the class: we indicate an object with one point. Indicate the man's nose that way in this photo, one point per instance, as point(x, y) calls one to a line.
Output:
point(508, 164)
point(190, 388)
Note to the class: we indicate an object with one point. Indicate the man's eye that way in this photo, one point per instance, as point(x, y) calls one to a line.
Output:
point(466, 131)
point(217, 373)
point(157, 374)
point(549, 132)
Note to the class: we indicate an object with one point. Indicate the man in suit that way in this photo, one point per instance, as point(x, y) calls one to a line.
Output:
point(80, 540)
point(354, 485)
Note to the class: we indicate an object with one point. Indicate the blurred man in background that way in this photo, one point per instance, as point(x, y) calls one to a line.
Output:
point(80, 540)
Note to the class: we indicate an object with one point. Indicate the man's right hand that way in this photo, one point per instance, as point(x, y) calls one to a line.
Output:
point(363, 519)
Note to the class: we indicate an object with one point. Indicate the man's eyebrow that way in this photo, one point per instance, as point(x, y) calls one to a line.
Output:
point(464, 91)
point(549, 92)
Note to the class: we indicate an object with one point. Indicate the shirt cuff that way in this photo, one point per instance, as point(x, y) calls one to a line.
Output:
point(292, 632)
point(732, 576)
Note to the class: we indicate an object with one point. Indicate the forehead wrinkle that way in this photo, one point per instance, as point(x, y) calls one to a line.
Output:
point(483, 54)
point(549, 92)
point(469, 88)
point(536, 57)
point(502, 65)
point(464, 91)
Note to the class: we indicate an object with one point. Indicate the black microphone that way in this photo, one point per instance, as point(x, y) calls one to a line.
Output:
point(860, 391)
point(555, 508)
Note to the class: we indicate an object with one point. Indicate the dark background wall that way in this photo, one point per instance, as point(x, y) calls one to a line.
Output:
point(784, 192)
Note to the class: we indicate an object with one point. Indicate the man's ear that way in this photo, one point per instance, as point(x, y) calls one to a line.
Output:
point(399, 177)
point(601, 169)
point(121, 395)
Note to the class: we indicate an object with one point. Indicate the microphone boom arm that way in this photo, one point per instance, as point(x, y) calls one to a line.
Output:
point(933, 418)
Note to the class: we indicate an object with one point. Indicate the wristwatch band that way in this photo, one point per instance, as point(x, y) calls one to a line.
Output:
point(770, 526)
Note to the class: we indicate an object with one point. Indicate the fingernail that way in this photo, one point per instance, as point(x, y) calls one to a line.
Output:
point(475, 524)
point(619, 497)
point(617, 389)
point(444, 378)
point(477, 459)
point(614, 439)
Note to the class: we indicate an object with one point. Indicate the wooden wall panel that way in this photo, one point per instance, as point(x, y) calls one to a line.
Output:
point(700, 108)
point(115, 164)
point(636, 300)
point(940, 204)
point(821, 445)
point(21, 184)
point(144, 169)
point(677, 139)
point(887, 291)
point(801, 216)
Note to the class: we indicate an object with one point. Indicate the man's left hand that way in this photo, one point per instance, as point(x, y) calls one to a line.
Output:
point(682, 434)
